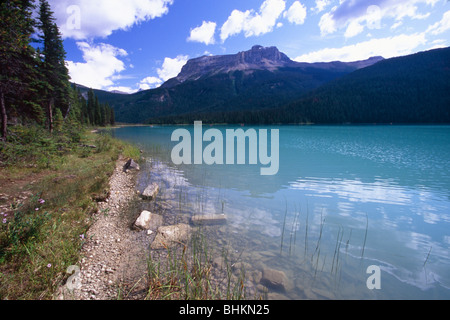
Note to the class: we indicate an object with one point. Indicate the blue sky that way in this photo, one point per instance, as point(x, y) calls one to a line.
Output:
point(138, 44)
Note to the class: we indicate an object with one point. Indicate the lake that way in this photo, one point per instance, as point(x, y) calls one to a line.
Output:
point(345, 199)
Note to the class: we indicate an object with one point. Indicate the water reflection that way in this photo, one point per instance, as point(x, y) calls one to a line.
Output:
point(344, 198)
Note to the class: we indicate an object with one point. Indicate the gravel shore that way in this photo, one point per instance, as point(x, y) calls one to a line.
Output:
point(113, 264)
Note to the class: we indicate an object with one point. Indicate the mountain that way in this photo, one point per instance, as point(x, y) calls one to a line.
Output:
point(261, 78)
point(408, 89)
point(258, 58)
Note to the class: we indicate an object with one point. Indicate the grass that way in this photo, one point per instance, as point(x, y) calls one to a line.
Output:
point(40, 234)
point(62, 177)
point(187, 272)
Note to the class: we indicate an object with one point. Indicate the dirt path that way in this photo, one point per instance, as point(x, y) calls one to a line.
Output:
point(113, 264)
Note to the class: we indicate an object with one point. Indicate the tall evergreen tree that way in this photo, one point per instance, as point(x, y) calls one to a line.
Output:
point(97, 112)
point(16, 54)
point(53, 64)
point(90, 106)
point(113, 117)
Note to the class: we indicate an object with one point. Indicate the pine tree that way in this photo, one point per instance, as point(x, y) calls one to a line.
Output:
point(58, 120)
point(97, 112)
point(16, 54)
point(103, 115)
point(53, 66)
point(113, 117)
point(90, 106)
point(107, 114)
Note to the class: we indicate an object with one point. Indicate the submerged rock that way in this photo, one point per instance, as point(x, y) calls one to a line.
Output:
point(150, 192)
point(275, 279)
point(170, 236)
point(148, 220)
point(211, 219)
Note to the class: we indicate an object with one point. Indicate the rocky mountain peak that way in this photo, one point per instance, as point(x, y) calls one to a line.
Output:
point(264, 56)
point(257, 58)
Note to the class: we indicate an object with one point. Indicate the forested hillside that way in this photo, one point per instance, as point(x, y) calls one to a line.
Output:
point(34, 80)
point(409, 89)
point(257, 79)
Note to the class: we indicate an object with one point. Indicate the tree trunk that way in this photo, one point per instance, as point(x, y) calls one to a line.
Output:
point(50, 115)
point(4, 116)
point(67, 112)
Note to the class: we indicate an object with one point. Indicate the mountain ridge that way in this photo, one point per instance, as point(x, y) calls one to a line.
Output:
point(257, 58)
point(263, 85)
point(412, 89)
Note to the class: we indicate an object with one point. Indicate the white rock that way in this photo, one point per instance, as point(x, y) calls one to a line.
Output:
point(170, 236)
point(148, 220)
point(150, 192)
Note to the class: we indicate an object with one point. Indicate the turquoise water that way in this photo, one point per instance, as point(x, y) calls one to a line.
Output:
point(345, 198)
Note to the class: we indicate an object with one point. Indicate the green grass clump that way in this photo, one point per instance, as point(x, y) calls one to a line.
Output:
point(186, 272)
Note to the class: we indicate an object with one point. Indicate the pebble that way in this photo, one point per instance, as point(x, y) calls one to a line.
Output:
point(109, 249)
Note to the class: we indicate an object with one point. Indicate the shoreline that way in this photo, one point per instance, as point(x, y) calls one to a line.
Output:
point(113, 256)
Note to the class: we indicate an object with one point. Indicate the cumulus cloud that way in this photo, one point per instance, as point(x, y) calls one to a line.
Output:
point(327, 24)
point(121, 89)
point(253, 23)
point(387, 47)
point(321, 5)
point(204, 33)
point(87, 19)
point(101, 67)
point(356, 15)
point(441, 26)
point(150, 83)
point(296, 13)
point(171, 67)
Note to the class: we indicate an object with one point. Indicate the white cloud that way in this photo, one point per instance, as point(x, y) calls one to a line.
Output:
point(387, 47)
point(150, 83)
point(296, 13)
point(204, 33)
point(253, 23)
point(87, 19)
point(396, 25)
point(101, 65)
point(327, 25)
point(356, 15)
point(353, 29)
point(234, 25)
point(171, 67)
point(441, 26)
point(121, 89)
point(321, 5)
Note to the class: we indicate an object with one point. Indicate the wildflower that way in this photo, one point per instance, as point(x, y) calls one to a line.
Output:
point(37, 209)
point(49, 265)
point(41, 201)
point(4, 220)
point(82, 236)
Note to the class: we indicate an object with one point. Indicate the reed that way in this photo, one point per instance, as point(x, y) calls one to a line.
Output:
point(187, 272)
point(365, 236)
point(428, 256)
point(283, 230)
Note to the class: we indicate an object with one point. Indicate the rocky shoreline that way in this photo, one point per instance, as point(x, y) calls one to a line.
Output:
point(116, 248)
point(113, 255)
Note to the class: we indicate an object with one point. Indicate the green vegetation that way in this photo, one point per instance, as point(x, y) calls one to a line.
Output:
point(49, 186)
point(186, 273)
point(222, 94)
point(410, 89)
point(34, 80)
